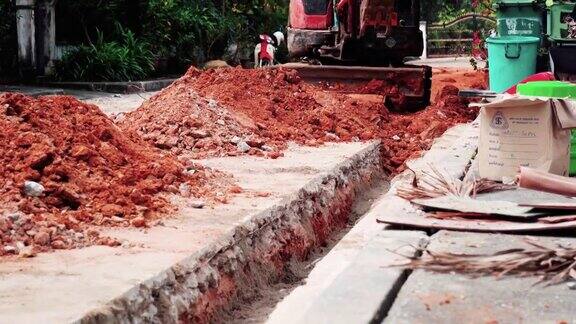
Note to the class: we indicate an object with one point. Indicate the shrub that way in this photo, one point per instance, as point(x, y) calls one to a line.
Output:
point(8, 42)
point(124, 60)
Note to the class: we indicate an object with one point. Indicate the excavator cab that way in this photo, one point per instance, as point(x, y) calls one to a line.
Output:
point(374, 31)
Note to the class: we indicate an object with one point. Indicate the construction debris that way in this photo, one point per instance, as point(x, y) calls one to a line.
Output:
point(434, 183)
point(552, 265)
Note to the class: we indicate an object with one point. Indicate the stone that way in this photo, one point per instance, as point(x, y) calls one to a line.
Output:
point(184, 189)
point(14, 217)
point(254, 142)
point(190, 171)
point(199, 133)
point(215, 64)
point(197, 204)
point(267, 148)
point(275, 155)
point(396, 137)
point(332, 136)
point(42, 238)
point(20, 245)
point(235, 140)
point(139, 222)
point(58, 244)
point(243, 147)
point(10, 249)
point(27, 252)
point(117, 219)
point(33, 189)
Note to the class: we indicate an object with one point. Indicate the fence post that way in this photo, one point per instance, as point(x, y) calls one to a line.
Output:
point(45, 21)
point(25, 31)
point(423, 26)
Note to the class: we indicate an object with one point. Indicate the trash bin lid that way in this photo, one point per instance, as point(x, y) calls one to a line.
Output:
point(512, 40)
point(552, 89)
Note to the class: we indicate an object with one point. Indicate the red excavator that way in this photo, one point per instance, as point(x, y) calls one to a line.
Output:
point(348, 33)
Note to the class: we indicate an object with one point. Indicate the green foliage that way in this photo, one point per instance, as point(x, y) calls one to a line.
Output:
point(125, 60)
point(181, 32)
point(446, 10)
point(193, 31)
point(8, 42)
point(184, 29)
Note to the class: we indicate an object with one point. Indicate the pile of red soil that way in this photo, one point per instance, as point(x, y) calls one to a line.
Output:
point(288, 109)
point(273, 106)
point(407, 136)
point(92, 174)
point(265, 108)
point(461, 78)
point(181, 121)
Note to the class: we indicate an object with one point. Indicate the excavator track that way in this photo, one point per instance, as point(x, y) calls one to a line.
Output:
point(402, 88)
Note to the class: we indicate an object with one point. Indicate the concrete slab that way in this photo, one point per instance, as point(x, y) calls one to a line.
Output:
point(116, 87)
point(428, 297)
point(109, 103)
point(365, 287)
point(112, 104)
point(117, 283)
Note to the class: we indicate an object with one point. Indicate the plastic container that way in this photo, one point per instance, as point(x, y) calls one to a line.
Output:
point(511, 59)
point(519, 17)
point(554, 89)
point(556, 27)
point(550, 89)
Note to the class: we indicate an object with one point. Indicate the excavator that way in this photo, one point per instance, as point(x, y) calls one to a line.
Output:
point(357, 40)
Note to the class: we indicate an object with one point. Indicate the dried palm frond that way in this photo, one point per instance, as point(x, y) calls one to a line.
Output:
point(435, 183)
point(552, 265)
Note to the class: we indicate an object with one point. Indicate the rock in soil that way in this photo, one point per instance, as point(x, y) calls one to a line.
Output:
point(33, 189)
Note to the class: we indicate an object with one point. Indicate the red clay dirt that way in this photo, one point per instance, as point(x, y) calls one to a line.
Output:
point(273, 106)
point(93, 174)
point(461, 78)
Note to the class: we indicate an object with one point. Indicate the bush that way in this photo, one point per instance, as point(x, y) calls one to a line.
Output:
point(181, 32)
point(190, 31)
point(125, 60)
point(8, 42)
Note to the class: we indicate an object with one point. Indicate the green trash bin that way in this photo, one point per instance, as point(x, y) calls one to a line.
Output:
point(511, 59)
point(554, 89)
point(519, 17)
point(556, 27)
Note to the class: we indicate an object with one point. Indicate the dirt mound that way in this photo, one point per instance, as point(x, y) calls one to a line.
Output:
point(286, 108)
point(266, 108)
point(263, 108)
point(181, 121)
point(65, 165)
point(293, 110)
point(409, 135)
point(461, 78)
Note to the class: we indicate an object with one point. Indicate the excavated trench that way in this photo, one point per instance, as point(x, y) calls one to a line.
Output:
point(261, 305)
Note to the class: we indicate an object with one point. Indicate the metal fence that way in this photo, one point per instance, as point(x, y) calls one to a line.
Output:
point(456, 37)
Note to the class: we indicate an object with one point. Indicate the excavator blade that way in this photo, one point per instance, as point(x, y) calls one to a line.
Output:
point(402, 88)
